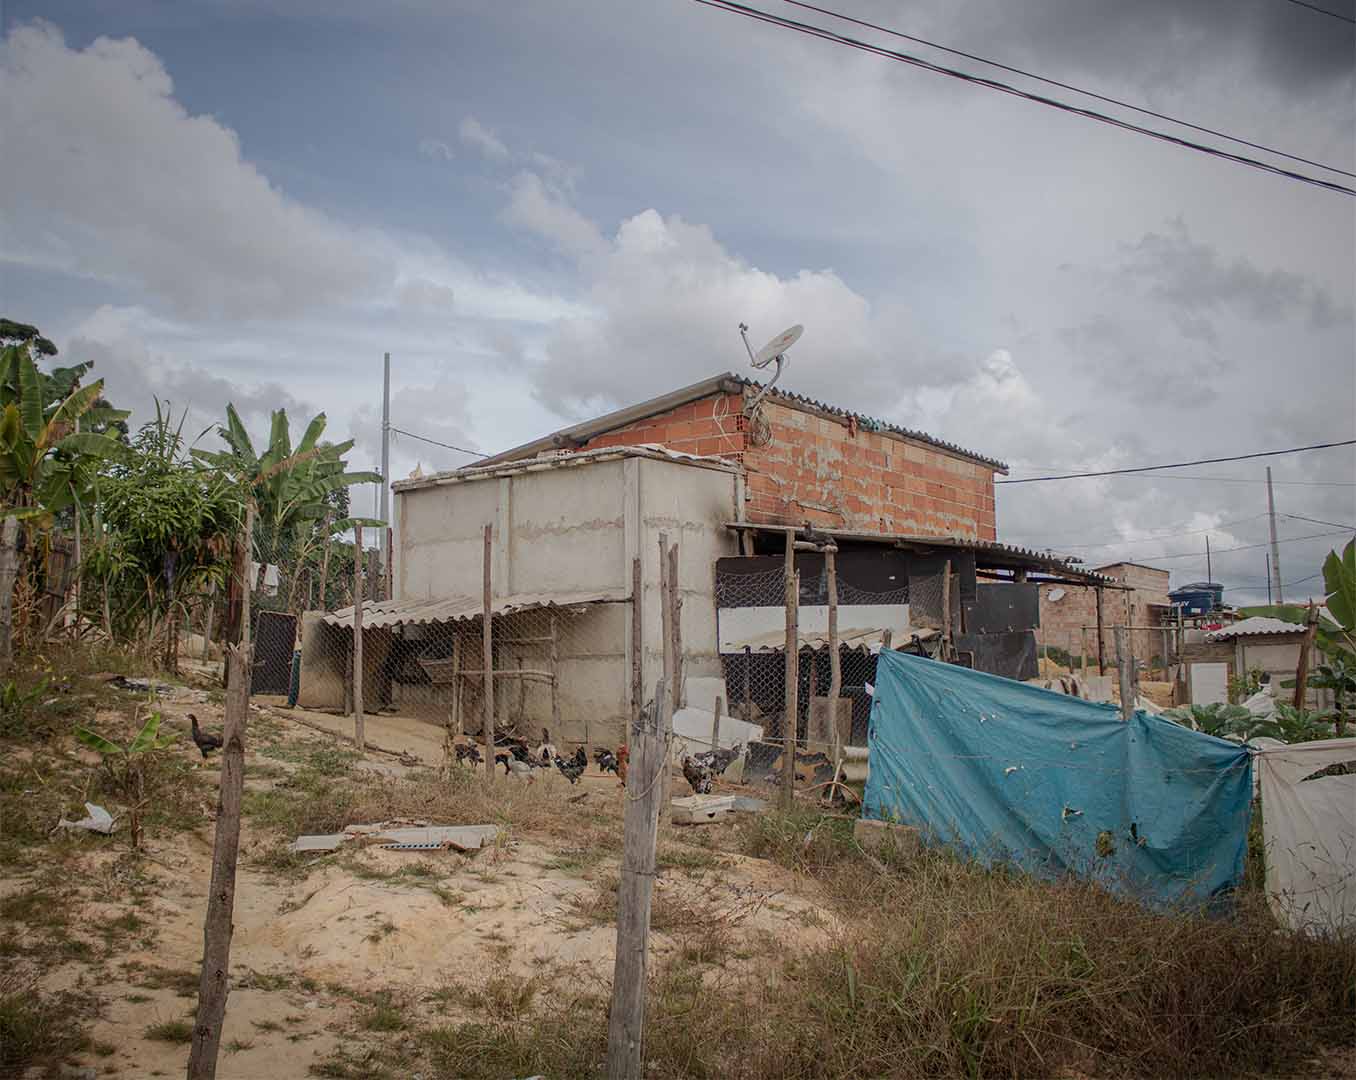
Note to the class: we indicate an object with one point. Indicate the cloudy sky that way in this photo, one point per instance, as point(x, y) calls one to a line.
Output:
point(547, 210)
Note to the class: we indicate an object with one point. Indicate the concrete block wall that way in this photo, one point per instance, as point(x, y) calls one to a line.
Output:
point(1077, 607)
point(821, 469)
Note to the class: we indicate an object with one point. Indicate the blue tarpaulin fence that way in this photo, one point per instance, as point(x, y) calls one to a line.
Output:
point(1013, 773)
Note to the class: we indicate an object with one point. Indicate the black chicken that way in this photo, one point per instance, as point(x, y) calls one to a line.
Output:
point(574, 768)
point(606, 759)
point(718, 760)
point(201, 739)
point(468, 752)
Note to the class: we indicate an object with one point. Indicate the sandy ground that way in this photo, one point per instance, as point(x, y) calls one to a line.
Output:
point(307, 948)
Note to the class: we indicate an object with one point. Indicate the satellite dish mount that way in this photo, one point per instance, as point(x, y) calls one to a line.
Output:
point(773, 350)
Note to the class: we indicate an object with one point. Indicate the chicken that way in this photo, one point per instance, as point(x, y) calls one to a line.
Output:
point(468, 752)
point(718, 760)
point(698, 776)
point(521, 769)
point(203, 740)
point(606, 759)
point(546, 752)
point(573, 768)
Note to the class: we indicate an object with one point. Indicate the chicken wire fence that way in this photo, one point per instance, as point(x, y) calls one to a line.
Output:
point(752, 633)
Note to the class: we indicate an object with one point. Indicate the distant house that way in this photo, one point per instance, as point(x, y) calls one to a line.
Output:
point(1068, 614)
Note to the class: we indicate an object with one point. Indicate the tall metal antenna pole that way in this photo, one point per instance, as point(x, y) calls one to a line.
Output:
point(384, 512)
point(1269, 600)
point(1275, 545)
point(1209, 574)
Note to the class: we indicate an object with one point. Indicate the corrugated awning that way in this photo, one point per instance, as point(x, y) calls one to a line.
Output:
point(858, 637)
point(1258, 624)
point(384, 613)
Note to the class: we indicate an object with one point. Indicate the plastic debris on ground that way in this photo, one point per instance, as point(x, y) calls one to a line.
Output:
point(97, 819)
point(403, 836)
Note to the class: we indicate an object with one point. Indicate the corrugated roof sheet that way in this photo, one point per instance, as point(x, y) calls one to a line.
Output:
point(383, 613)
point(1258, 624)
point(854, 637)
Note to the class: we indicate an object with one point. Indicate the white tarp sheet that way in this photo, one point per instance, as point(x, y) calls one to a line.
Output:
point(1309, 828)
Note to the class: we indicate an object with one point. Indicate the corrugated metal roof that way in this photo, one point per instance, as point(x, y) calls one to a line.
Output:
point(674, 398)
point(996, 554)
point(382, 613)
point(858, 637)
point(1258, 624)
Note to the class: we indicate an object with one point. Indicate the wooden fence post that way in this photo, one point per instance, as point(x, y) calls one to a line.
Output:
point(626, 1019)
point(715, 722)
point(637, 644)
point(669, 663)
point(1306, 647)
point(791, 583)
point(835, 662)
point(487, 661)
point(1125, 663)
point(9, 569)
point(1101, 634)
point(214, 979)
point(359, 735)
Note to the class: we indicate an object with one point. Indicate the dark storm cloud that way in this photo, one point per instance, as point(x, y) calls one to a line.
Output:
point(1164, 42)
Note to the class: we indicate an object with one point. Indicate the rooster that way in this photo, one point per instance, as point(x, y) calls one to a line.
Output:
point(606, 759)
point(204, 741)
point(574, 767)
point(546, 752)
point(718, 760)
point(468, 752)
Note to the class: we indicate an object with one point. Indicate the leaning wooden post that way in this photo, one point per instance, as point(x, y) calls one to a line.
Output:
point(9, 570)
point(1083, 645)
point(678, 697)
point(390, 565)
point(666, 628)
point(214, 979)
point(649, 760)
point(555, 690)
point(359, 736)
point(637, 644)
point(835, 663)
point(454, 718)
point(1125, 663)
point(487, 660)
point(791, 582)
point(1306, 647)
point(715, 723)
point(947, 651)
point(1101, 634)
point(325, 565)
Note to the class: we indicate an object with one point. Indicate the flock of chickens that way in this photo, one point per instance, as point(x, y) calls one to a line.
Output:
point(522, 760)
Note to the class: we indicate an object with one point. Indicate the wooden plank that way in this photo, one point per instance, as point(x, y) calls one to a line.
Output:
point(1125, 665)
point(214, 978)
point(487, 661)
point(835, 662)
point(666, 629)
point(358, 594)
point(1101, 633)
point(637, 643)
point(635, 891)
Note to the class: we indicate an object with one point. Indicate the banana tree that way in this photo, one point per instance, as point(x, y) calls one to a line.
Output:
point(294, 489)
point(1339, 583)
point(45, 464)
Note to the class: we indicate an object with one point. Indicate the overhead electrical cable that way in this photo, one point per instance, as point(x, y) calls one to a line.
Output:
point(1317, 521)
point(1063, 85)
point(1323, 11)
point(1177, 464)
point(1245, 547)
point(834, 37)
point(1151, 539)
point(435, 442)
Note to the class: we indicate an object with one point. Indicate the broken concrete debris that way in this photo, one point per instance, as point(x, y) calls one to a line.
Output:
point(403, 836)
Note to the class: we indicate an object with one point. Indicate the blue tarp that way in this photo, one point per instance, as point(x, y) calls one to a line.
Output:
point(1013, 773)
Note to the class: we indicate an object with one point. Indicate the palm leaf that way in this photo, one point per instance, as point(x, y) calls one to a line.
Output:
point(147, 738)
point(95, 741)
point(30, 396)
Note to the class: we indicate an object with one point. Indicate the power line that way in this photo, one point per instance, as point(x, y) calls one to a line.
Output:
point(1161, 536)
point(759, 15)
point(1063, 85)
point(1258, 586)
point(1322, 11)
point(1246, 547)
point(1316, 521)
point(1246, 480)
point(1175, 465)
point(435, 442)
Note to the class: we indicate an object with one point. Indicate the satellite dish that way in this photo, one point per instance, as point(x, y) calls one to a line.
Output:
point(1055, 594)
point(778, 345)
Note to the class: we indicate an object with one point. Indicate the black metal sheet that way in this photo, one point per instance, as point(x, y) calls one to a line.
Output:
point(1003, 608)
point(1012, 655)
point(275, 638)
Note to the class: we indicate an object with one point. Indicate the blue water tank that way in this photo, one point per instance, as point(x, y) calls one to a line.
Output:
point(1198, 598)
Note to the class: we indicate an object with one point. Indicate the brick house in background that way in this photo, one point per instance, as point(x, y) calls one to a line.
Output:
point(804, 460)
point(1065, 609)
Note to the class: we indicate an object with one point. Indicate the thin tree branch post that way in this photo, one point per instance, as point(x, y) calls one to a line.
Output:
point(835, 662)
point(1306, 648)
point(946, 611)
point(9, 569)
point(325, 565)
point(1125, 664)
point(637, 643)
point(791, 583)
point(666, 628)
point(679, 696)
point(635, 891)
point(715, 722)
point(390, 565)
point(359, 734)
point(454, 714)
point(214, 979)
point(1101, 635)
point(555, 690)
point(487, 660)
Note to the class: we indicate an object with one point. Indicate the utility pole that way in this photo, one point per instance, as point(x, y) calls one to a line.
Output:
point(384, 513)
point(1209, 573)
point(1275, 545)
point(1269, 579)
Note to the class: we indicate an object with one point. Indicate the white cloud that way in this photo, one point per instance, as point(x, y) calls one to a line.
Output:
point(119, 181)
point(474, 133)
point(435, 149)
point(535, 206)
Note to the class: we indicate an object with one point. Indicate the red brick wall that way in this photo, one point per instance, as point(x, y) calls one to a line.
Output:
point(816, 469)
point(1077, 607)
